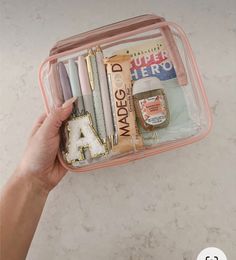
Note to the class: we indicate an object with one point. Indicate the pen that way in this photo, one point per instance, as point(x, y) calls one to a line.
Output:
point(96, 91)
point(90, 58)
point(75, 86)
point(86, 89)
point(55, 85)
point(105, 94)
point(65, 82)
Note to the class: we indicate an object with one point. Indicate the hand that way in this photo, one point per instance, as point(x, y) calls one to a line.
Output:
point(40, 157)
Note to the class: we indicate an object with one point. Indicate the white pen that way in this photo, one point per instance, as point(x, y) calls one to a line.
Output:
point(75, 86)
point(96, 90)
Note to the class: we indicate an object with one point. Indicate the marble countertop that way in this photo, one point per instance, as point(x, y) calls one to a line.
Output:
point(170, 206)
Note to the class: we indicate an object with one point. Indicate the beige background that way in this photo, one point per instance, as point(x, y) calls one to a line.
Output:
point(166, 207)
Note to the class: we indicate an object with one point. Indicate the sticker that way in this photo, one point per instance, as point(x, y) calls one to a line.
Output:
point(82, 136)
point(153, 110)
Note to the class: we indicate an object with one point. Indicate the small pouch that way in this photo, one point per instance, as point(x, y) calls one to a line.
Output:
point(138, 89)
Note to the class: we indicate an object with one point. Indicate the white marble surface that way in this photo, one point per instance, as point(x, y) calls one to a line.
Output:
point(165, 207)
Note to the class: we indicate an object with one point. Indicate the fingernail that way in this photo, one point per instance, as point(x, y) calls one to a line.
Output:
point(69, 102)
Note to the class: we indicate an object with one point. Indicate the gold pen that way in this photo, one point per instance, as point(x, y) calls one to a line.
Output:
point(96, 92)
point(89, 58)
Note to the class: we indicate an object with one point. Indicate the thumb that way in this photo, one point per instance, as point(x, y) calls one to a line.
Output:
point(55, 118)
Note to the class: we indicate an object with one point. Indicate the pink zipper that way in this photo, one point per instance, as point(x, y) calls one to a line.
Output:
point(105, 32)
point(122, 27)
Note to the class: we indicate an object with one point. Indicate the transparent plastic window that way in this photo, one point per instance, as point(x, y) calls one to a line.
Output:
point(131, 97)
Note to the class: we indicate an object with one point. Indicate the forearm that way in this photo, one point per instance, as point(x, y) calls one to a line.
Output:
point(21, 205)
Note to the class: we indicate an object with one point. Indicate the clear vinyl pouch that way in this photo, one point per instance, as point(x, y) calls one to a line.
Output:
point(138, 89)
